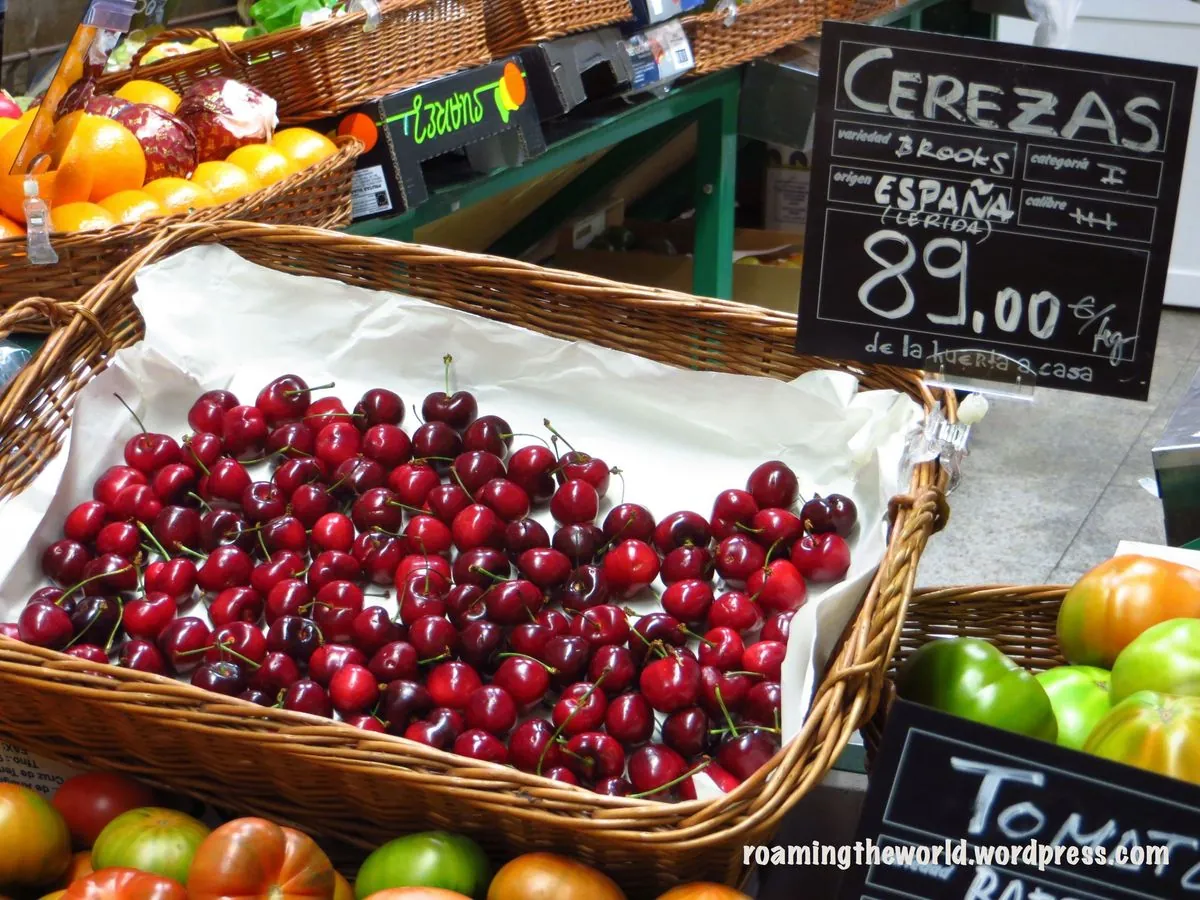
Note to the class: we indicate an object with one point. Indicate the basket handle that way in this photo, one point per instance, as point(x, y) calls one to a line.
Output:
point(175, 35)
point(39, 310)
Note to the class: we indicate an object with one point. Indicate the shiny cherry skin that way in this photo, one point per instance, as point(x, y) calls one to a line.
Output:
point(172, 484)
point(475, 743)
point(620, 666)
point(202, 449)
point(277, 673)
point(489, 433)
point(333, 531)
point(45, 625)
point(822, 558)
point(284, 565)
point(653, 767)
point(446, 501)
point(505, 498)
point(587, 586)
point(723, 689)
point(451, 684)
point(687, 563)
point(440, 729)
point(688, 601)
point(458, 410)
point(577, 501)
point(174, 577)
point(613, 787)
point(568, 657)
point(686, 731)
point(306, 696)
point(745, 754)
point(328, 659)
point(244, 432)
point(433, 637)
point(148, 452)
point(285, 533)
point(581, 707)
point(226, 482)
point(292, 440)
point(379, 406)
point(525, 680)
point(545, 567)
point(335, 607)
point(357, 475)
point(298, 637)
point(208, 412)
point(778, 587)
point(337, 442)
point(374, 629)
point(733, 511)
point(137, 503)
point(238, 642)
point(764, 702)
point(477, 526)
point(594, 471)
point(482, 566)
point(765, 658)
point(652, 628)
point(96, 620)
point(294, 473)
point(376, 508)
point(143, 656)
point(601, 626)
point(777, 626)
point(630, 566)
point(682, 529)
point(429, 535)
point(474, 469)
point(402, 701)
point(630, 719)
point(531, 469)
point(224, 568)
point(84, 522)
point(91, 652)
point(436, 442)
point(736, 610)
point(332, 565)
point(325, 411)
point(226, 678)
point(353, 689)
point(379, 555)
point(63, 562)
point(531, 747)
point(184, 642)
point(221, 527)
point(738, 557)
point(580, 542)
point(121, 538)
point(479, 644)
point(629, 520)
point(672, 683)
point(412, 483)
point(310, 502)
point(114, 480)
point(239, 604)
point(722, 648)
point(388, 445)
point(176, 527)
point(773, 484)
point(397, 661)
point(146, 619)
point(492, 709)
point(561, 774)
point(110, 574)
point(284, 399)
point(595, 756)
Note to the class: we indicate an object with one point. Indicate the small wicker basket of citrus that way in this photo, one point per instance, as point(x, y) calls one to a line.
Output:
point(145, 151)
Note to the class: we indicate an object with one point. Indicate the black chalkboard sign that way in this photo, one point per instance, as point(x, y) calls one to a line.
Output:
point(971, 195)
point(1013, 818)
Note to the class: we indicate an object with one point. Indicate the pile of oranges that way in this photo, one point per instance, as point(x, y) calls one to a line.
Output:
point(101, 182)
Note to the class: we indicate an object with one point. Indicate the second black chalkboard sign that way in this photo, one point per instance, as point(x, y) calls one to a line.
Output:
point(974, 196)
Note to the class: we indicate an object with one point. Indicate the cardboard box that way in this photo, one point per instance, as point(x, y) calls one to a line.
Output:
point(579, 233)
point(647, 12)
point(771, 287)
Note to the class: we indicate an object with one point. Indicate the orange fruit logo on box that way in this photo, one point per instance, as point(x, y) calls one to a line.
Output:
point(361, 126)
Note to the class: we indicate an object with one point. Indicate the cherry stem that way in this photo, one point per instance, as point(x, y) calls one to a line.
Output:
point(136, 418)
point(307, 390)
point(153, 540)
point(447, 361)
point(112, 635)
point(415, 510)
point(262, 543)
point(192, 553)
point(550, 669)
point(621, 475)
point(69, 591)
point(536, 437)
point(603, 548)
point(579, 704)
point(480, 570)
point(200, 500)
point(705, 641)
point(670, 784)
point(417, 414)
point(227, 647)
point(553, 431)
point(746, 528)
point(725, 711)
point(203, 468)
point(433, 659)
point(749, 674)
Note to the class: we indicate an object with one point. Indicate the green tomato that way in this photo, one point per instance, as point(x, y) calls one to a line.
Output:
point(435, 859)
point(1079, 696)
point(1153, 732)
point(159, 841)
point(968, 677)
point(1164, 659)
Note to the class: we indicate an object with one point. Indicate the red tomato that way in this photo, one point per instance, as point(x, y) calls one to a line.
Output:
point(35, 846)
point(253, 859)
point(703, 891)
point(544, 876)
point(1118, 600)
point(125, 884)
point(90, 801)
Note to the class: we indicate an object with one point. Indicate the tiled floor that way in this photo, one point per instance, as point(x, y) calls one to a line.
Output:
point(1051, 486)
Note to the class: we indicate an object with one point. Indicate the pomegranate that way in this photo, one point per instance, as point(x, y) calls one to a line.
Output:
point(225, 114)
point(169, 144)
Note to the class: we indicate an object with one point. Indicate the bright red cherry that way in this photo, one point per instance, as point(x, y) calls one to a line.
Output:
point(293, 440)
point(531, 747)
point(620, 666)
point(474, 743)
point(688, 601)
point(765, 658)
point(738, 557)
point(84, 522)
point(735, 610)
point(594, 756)
point(451, 684)
point(778, 586)
point(682, 529)
point(284, 399)
point(338, 442)
point(687, 563)
point(478, 526)
point(379, 407)
point(653, 767)
point(822, 558)
point(353, 689)
point(671, 683)
point(630, 719)
point(630, 566)
point(531, 468)
point(525, 680)
point(581, 707)
point(325, 411)
point(244, 432)
point(397, 661)
point(492, 709)
point(208, 412)
point(490, 433)
point(778, 626)
point(732, 509)
point(773, 484)
point(146, 619)
point(509, 501)
point(148, 452)
point(722, 648)
point(545, 567)
point(575, 502)
point(629, 521)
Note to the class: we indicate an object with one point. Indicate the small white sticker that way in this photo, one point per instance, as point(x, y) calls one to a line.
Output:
point(587, 229)
point(370, 194)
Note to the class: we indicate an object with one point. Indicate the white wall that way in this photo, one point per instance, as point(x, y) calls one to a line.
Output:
point(1165, 31)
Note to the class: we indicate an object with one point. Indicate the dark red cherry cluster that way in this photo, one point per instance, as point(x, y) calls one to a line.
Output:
point(246, 558)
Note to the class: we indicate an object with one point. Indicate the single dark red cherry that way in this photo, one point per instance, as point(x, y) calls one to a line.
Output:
point(773, 484)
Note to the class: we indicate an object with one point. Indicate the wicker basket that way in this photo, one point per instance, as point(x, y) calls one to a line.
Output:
point(863, 10)
point(1020, 621)
point(362, 788)
point(323, 69)
point(513, 24)
point(759, 28)
point(320, 196)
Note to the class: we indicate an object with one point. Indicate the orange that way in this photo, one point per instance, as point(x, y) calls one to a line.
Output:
point(150, 92)
point(131, 206)
point(9, 228)
point(225, 180)
point(101, 153)
point(81, 217)
point(12, 191)
point(176, 195)
point(265, 163)
point(303, 146)
point(7, 125)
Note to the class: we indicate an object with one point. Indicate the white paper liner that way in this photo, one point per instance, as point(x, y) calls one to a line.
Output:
point(214, 320)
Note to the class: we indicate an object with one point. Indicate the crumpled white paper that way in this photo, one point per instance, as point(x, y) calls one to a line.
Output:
point(214, 320)
point(1055, 21)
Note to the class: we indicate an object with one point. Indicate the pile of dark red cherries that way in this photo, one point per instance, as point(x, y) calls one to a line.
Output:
point(511, 644)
